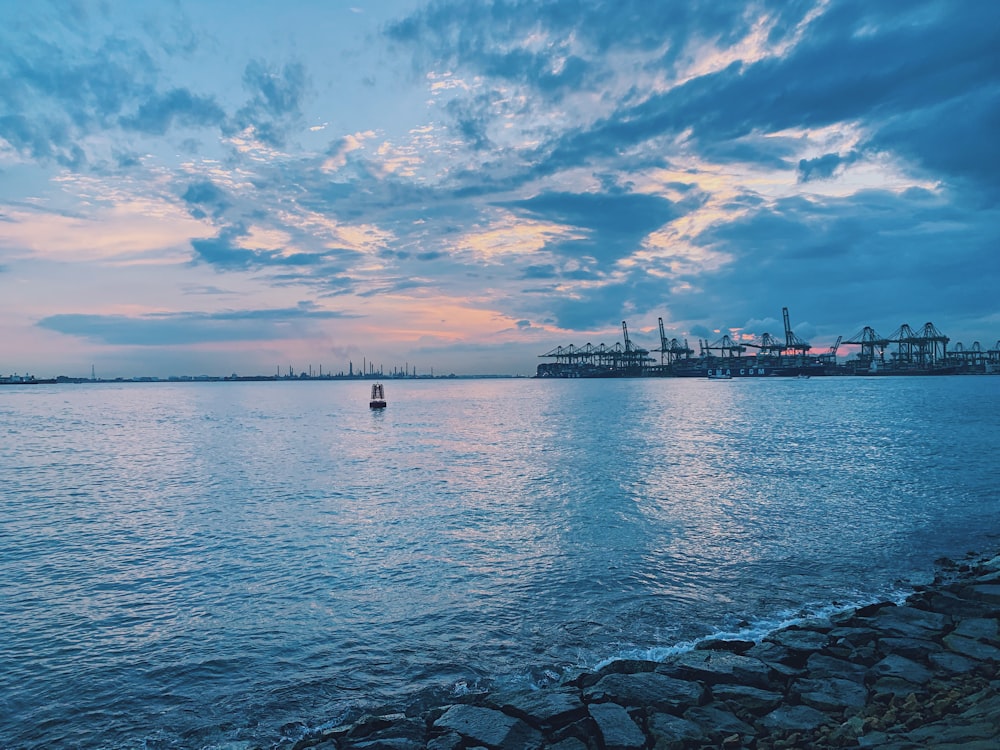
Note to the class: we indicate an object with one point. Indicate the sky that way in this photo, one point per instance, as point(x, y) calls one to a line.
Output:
point(219, 187)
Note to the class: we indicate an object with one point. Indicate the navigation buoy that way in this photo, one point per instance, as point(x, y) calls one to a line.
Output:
point(378, 396)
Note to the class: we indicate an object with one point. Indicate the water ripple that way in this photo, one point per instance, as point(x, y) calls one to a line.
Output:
point(194, 564)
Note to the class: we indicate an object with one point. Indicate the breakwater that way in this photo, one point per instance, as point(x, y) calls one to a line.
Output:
point(918, 673)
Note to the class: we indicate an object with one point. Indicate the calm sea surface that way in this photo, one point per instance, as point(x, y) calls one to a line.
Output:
point(225, 564)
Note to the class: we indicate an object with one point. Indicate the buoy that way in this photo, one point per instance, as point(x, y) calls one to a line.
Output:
point(378, 397)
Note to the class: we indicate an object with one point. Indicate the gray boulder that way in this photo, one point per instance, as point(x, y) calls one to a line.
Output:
point(449, 741)
point(617, 728)
point(672, 732)
point(799, 640)
point(917, 649)
point(546, 709)
point(951, 663)
point(647, 689)
point(821, 666)
point(717, 722)
point(980, 628)
point(830, 694)
point(776, 657)
point(570, 743)
point(489, 727)
point(909, 622)
point(751, 699)
point(972, 649)
point(895, 686)
point(901, 668)
point(852, 636)
point(794, 718)
point(713, 667)
point(986, 592)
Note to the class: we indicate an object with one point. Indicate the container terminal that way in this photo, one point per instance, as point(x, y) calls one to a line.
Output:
point(906, 351)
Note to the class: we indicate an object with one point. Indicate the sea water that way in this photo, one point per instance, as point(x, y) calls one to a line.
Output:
point(233, 564)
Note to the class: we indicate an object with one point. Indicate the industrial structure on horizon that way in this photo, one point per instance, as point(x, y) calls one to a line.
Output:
point(904, 352)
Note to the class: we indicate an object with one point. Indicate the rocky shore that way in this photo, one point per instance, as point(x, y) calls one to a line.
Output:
point(921, 674)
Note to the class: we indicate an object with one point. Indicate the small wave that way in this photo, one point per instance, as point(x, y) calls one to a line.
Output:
point(760, 628)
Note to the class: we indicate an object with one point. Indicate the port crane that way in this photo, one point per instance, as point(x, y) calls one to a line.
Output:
point(725, 346)
point(672, 350)
point(926, 347)
point(832, 354)
point(793, 344)
point(872, 345)
point(633, 356)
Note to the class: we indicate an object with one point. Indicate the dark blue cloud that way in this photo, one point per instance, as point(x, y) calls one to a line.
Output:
point(158, 113)
point(868, 258)
point(916, 77)
point(487, 37)
point(223, 252)
point(539, 271)
point(824, 167)
point(275, 100)
point(615, 223)
point(54, 94)
point(186, 328)
point(204, 194)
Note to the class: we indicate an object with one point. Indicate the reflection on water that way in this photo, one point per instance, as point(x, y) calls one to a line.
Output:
point(211, 561)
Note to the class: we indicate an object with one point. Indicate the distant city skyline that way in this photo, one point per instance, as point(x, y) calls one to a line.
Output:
point(208, 188)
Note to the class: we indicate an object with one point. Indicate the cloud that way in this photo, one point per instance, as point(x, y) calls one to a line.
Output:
point(890, 255)
point(823, 167)
point(275, 100)
point(223, 251)
point(614, 223)
point(66, 90)
point(568, 164)
point(157, 114)
point(188, 328)
point(204, 193)
point(338, 151)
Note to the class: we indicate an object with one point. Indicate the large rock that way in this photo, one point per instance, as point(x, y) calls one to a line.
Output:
point(980, 628)
point(777, 658)
point(909, 622)
point(749, 698)
point(794, 718)
point(972, 649)
point(853, 636)
point(986, 592)
point(800, 640)
point(449, 741)
point(951, 663)
point(951, 603)
point(488, 727)
point(651, 689)
point(717, 722)
point(570, 743)
point(545, 709)
point(820, 666)
point(917, 649)
point(672, 732)
point(830, 694)
point(713, 667)
point(403, 733)
point(617, 728)
point(901, 668)
point(981, 734)
point(389, 743)
point(892, 686)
